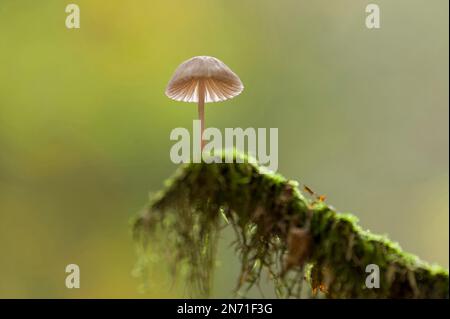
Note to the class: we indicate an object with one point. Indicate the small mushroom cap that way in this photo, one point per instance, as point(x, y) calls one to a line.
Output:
point(220, 83)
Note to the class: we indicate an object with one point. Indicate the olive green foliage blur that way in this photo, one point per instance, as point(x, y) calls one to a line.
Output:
point(84, 124)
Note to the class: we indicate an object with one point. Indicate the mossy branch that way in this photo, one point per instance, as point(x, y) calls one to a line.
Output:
point(279, 230)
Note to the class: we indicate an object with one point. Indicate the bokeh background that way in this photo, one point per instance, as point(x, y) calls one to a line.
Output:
point(84, 124)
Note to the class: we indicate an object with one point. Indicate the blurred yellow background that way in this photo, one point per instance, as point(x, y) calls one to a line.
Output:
point(84, 123)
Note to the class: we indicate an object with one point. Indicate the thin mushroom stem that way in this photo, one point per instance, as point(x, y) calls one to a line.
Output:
point(201, 111)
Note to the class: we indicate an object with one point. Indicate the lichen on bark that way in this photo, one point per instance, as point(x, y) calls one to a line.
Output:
point(278, 230)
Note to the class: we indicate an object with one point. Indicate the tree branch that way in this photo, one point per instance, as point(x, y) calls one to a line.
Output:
point(280, 231)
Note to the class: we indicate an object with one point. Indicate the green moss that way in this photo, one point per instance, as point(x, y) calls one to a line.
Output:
point(277, 230)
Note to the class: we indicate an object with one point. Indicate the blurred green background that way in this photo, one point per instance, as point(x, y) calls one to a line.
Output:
point(84, 123)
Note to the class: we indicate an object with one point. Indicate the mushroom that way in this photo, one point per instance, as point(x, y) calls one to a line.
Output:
point(203, 79)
